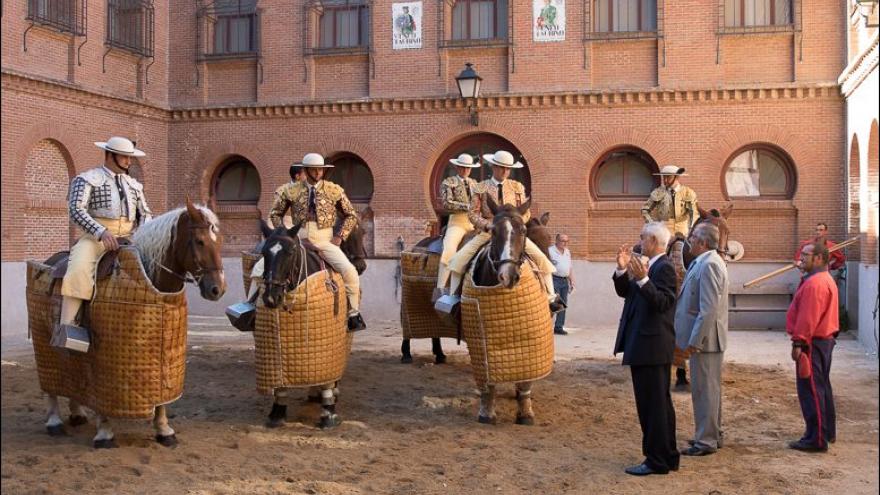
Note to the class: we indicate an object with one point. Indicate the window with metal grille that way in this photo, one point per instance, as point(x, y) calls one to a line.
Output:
point(620, 16)
point(625, 173)
point(748, 13)
point(130, 25)
point(479, 20)
point(64, 15)
point(344, 25)
point(230, 27)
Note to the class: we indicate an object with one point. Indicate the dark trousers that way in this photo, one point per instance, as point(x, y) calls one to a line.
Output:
point(560, 284)
point(656, 416)
point(816, 398)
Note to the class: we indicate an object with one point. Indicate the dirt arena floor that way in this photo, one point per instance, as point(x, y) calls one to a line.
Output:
point(412, 429)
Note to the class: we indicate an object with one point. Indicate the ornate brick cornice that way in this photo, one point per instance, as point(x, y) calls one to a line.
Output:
point(859, 68)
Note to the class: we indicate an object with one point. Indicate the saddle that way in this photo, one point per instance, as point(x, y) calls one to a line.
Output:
point(106, 264)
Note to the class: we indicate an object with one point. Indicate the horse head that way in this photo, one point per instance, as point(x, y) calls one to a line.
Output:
point(507, 245)
point(537, 231)
point(353, 248)
point(283, 255)
point(197, 249)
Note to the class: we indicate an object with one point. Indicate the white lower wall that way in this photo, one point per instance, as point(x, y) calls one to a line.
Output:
point(868, 276)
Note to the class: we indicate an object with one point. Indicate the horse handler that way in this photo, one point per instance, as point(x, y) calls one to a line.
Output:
point(314, 204)
point(106, 203)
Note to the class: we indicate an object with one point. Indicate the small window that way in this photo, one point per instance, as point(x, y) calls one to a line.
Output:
point(625, 174)
point(238, 182)
point(130, 26)
point(759, 172)
point(233, 27)
point(619, 16)
point(65, 15)
point(479, 20)
point(749, 13)
point(354, 176)
point(344, 25)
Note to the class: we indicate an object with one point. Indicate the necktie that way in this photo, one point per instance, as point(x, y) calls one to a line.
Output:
point(500, 194)
point(312, 207)
point(123, 199)
point(672, 193)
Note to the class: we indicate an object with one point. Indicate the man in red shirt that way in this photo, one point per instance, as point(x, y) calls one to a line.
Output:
point(812, 322)
point(837, 260)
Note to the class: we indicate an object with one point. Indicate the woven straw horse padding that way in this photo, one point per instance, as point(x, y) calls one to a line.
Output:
point(418, 279)
point(248, 260)
point(509, 332)
point(308, 343)
point(137, 356)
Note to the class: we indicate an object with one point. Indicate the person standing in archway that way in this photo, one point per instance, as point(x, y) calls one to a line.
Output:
point(456, 193)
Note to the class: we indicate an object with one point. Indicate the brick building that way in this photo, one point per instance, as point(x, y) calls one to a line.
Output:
point(223, 96)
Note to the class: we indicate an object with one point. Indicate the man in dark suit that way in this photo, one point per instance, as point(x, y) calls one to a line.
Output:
point(646, 337)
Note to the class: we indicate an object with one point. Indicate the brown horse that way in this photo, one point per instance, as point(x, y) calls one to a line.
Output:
point(180, 246)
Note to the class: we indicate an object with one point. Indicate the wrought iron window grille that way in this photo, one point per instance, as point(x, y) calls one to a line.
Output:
point(64, 16)
point(131, 28)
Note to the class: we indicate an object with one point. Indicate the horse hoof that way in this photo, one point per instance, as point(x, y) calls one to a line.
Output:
point(167, 440)
point(525, 420)
point(440, 359)
point(487, 420)
point(330, 421)
point(275, 422)
point(56, 431)
point(78, 420)
point(681, 387)
point(406, 359)
point(109, 443)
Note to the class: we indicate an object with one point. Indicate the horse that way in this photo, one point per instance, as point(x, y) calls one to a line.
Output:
point(180, 246)
point(287, 263)
point(499, 263)
point(536, 230)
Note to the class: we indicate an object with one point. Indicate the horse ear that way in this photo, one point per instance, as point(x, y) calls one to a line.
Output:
point(725, 212)
point(265, 229)
point(191, 210)
point(523, 208)
point(294, 230)
point(545, 219)
point(703, 213)
point(490, 202)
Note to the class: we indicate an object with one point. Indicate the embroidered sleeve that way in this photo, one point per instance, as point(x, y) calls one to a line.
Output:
point(78, 203)
point(475, 213)
point(350, 218)
point(447, 194)
point(279, 206)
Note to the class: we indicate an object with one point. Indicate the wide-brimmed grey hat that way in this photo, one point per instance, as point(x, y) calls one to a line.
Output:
point(503, 159)
point(120, 146)
point(313, 160)
point(671, 170)
point(464, 160)
point(735, 250)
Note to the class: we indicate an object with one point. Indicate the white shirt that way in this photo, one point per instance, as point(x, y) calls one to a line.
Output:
point(562, 261)
point(643, 280)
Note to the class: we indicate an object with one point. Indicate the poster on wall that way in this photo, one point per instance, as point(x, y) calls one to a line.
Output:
point(549, 18)
point(406, 19)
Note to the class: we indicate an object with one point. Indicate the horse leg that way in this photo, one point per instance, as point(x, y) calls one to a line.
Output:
point(314, 395)
point(405, 354)
point(524, 413)
point(54, 425)
point(437, 349)
point(681, 381)
point(77, 413)
point(487, 406)
point(104, 439)
point(278, 415)
point(329, 418)
point(164, 433)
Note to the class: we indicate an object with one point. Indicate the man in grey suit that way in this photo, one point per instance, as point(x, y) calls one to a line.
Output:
point(701, 332)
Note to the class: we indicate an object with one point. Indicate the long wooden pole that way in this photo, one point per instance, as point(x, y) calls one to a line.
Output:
point(789, 266)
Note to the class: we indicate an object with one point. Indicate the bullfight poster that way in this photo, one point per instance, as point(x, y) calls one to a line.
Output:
point(549, 16)
point(407, 22)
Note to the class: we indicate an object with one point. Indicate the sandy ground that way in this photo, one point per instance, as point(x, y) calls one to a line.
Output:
point(411, 429)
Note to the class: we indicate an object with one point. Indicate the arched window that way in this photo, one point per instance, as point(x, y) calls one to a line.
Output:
point(759, 171)
point(625, 173)
point(353, 175)
point(237, 182)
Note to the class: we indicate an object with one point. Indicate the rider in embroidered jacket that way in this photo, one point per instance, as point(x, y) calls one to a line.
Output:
point(456, 193)
point(672, 203)
point(106, 203)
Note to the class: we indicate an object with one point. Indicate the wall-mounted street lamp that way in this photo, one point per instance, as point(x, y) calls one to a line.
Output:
point(469, 88)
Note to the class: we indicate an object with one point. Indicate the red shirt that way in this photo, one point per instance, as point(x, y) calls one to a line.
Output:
point(836, 259)
point(813, 313)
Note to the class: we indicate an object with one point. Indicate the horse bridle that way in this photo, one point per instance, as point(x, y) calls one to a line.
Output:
point(190, 277)
point(289, 282)
point(497, 264)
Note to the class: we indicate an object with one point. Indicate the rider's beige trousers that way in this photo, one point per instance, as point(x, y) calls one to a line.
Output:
point(459, 262)
point(456, 229)
point(333, 255)
point(79, 281)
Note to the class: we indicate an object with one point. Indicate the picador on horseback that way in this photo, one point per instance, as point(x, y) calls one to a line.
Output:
point(672, 203)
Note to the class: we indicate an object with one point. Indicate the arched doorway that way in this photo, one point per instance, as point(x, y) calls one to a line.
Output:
point(353, 174)
point(47, 228)
point(476, 145)
point(236, 188)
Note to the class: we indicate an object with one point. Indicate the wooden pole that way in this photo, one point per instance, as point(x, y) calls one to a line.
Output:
point(789, 266)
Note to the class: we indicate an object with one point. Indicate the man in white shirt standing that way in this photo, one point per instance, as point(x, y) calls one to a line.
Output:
point(563, 280)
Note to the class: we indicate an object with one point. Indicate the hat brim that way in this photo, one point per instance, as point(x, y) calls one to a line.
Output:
point(457, 163)
point(303, 165)
point(735, 250)
point(491, 160)
point(679, 173)
point(136, 153)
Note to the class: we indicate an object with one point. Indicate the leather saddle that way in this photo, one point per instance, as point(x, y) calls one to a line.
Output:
point(106, 265)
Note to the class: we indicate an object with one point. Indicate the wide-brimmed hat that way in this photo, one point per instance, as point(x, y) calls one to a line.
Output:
point(671, 170)
point(502, 159)
point(464, 160)
point(735, 250)
point(313, 160)
point(120, 146)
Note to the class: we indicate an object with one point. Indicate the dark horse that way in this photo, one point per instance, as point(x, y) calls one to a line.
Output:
point(287, 263)
point(536, 230)
point(499, 263)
